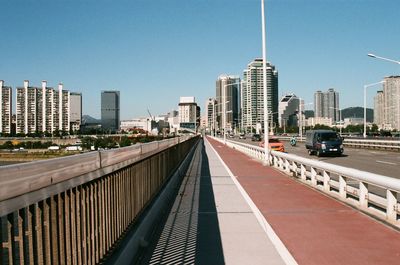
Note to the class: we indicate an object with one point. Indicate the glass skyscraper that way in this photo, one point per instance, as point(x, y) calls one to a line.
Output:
point(110, 110)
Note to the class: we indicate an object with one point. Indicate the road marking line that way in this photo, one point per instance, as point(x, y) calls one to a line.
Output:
point(385, 162)
point(276, 241)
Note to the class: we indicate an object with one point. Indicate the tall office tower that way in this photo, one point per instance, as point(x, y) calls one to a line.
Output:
point(379, 109)
point(210, 113)
point(5, 108)
point(231, 85)
point(326, 104)
point(187, 113)
point(75, 106)
point(110, 110)
point(391, 92)
point(288, 110)
point(252, 95)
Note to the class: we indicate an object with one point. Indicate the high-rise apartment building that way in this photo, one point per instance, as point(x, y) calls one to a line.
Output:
point(75, 107)
point(379, 109)
point(110, 110)
point(227, 86)
point(288, 110)
point(5, 108)
point(326, 104)
point(252, 95)
point(391, 97)
point(41, 109)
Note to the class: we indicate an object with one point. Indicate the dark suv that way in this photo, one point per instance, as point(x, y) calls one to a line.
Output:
point(323, 142)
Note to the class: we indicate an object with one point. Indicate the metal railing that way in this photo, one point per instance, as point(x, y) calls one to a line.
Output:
point(75, 210)
point(371, 193)
point(393, 145)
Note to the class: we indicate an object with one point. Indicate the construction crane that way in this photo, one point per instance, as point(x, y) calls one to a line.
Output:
point(151, 116)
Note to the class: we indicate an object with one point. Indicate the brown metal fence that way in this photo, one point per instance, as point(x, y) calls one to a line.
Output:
point(81, 224)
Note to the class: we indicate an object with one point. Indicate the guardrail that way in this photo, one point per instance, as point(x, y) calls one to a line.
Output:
point(75, 210)
point(393, 145)
point(371, 193)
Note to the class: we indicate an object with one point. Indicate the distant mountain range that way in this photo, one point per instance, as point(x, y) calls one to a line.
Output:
point(89, 119)
point(352, 112)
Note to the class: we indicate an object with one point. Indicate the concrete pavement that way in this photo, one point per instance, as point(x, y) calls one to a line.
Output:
point(211, 222)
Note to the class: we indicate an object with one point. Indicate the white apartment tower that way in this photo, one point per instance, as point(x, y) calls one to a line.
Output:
point(41, 109)
point(5, 108)
point(379, 109)
point(252, 95)
point(391, 94)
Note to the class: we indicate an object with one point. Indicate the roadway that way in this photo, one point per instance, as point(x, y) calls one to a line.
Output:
point(375, 161)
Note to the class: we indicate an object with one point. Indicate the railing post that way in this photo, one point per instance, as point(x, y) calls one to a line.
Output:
point(327, 178)
point(391, 207)
point(342, 187)
point(313, 177)
point(363, 197)
point(303, 172)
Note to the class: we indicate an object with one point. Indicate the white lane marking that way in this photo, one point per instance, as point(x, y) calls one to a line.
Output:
point(276, 241)
point(385, 162)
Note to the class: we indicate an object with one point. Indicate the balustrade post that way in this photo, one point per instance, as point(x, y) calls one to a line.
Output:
point(391, 207)
point(303, 172)
point(327, 178)
point(363, 196)
point(342, 187)
point(313, 177)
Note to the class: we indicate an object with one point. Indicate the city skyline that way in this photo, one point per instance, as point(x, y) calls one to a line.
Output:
point(143, 49)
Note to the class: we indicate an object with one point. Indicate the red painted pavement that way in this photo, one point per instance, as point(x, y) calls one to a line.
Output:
point(315, 228)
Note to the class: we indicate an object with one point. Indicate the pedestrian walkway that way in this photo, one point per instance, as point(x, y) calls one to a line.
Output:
point(315, 228)
point(210, 221)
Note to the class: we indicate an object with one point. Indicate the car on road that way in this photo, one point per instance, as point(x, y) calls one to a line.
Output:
point(242, 136)
point(256, 137)
point(323, 142)
point(274, 144)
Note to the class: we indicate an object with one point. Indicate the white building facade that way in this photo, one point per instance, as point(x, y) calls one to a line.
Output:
point(187, 113)
point(5, 108)
point(42, 109)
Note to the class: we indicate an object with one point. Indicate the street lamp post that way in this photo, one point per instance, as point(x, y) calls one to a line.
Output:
point(383, 58)
point(365, 105)
point(264, 55)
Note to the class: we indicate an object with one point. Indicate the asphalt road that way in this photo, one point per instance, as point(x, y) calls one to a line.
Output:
point(385, 163)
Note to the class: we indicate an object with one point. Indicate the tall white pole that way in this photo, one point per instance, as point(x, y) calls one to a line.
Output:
point(224, 112)
point(300, 121)
point(264, 55)
point(365, 112)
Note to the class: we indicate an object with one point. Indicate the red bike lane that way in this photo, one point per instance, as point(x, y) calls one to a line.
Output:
point(315, 228)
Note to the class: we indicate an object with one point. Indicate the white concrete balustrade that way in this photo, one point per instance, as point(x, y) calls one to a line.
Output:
point(371, 193)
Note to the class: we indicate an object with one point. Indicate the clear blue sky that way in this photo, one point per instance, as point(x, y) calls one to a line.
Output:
point(156, 51)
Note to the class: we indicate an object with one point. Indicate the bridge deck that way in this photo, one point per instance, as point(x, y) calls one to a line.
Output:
point(214, 222)
point(210, 222)
point(315, 228)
